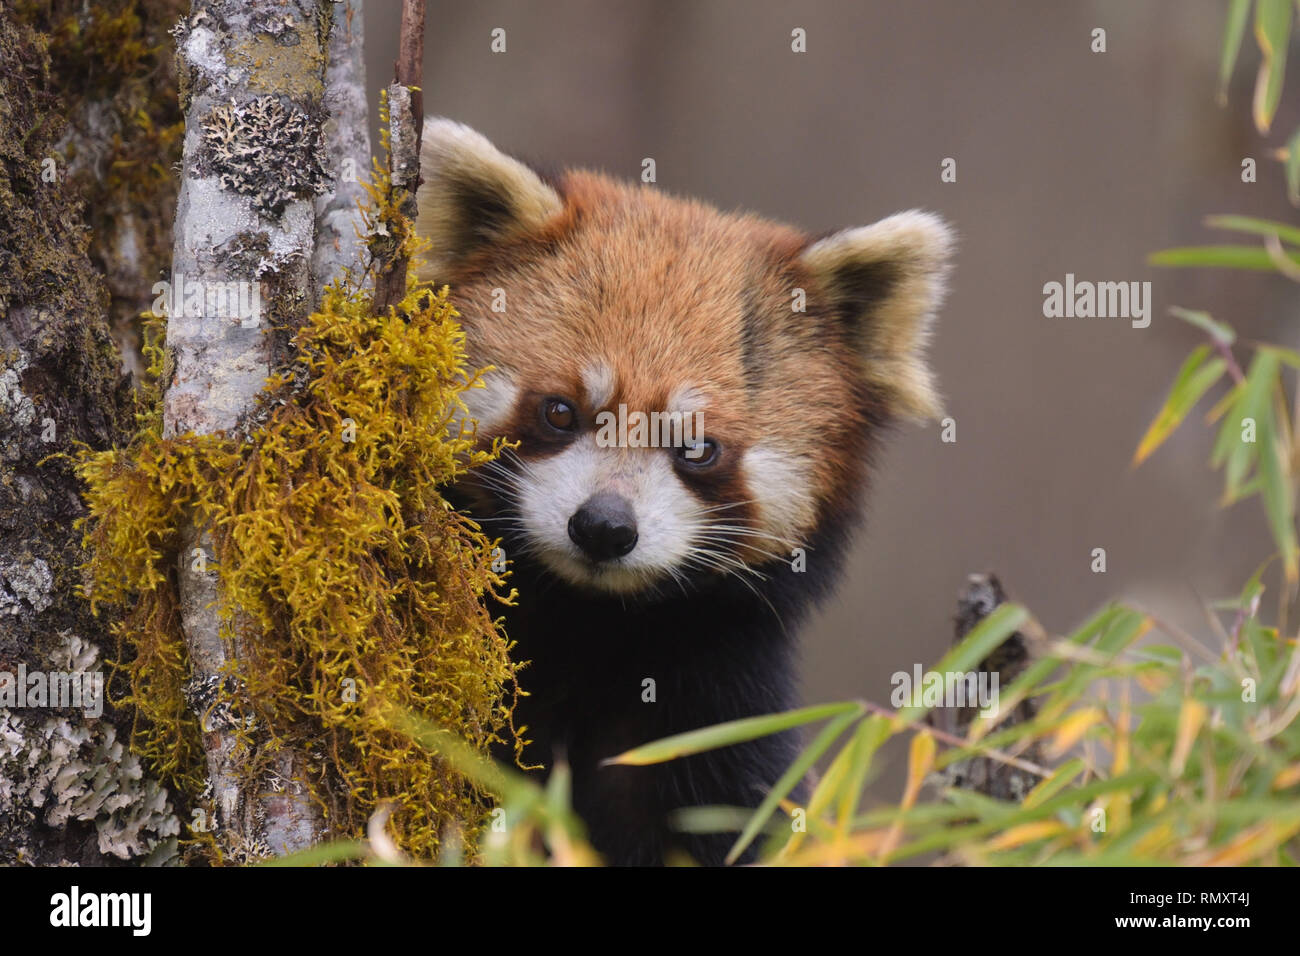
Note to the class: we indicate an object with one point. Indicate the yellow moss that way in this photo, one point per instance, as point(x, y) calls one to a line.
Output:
point(339, 563)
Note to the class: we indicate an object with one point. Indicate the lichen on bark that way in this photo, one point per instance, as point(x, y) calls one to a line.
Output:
point(112, 66)
point(72, 793)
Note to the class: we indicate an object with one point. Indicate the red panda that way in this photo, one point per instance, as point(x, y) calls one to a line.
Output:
point(659, 587)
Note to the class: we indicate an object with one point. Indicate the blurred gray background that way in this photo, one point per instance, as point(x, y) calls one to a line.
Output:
point(1067, 161)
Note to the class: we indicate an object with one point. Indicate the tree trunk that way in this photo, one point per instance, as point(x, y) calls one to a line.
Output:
point(347, 143)
point(70, 792)
point(254, 169)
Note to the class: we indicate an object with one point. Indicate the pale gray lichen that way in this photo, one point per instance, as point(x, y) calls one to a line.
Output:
point(25, 584)
point(16, 410)
point(266, 150)
point(57, 769)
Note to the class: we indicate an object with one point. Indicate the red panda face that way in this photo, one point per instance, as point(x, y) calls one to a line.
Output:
point(694, 393)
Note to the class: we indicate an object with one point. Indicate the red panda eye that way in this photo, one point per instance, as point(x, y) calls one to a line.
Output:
point(559, 414)
point(699, 454)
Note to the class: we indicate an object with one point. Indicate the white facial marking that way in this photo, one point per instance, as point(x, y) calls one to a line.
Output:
point(780, 483)
point(491, 405)
point(686, 399)
point(667, 514)
point(598, 380)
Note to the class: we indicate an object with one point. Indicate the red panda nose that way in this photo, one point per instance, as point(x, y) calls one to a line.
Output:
point(604, 527)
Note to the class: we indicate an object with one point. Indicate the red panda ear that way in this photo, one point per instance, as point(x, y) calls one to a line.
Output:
point(887, 280)
point(473, 195)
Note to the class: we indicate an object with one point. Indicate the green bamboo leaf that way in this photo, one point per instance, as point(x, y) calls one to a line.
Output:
point(1272, 32)
point(1233, 31)
point(1229, 436)
point(921, 814)
point(1241, 459)
point(984, 638)
point(559, 790)
point(731, 732)
point(1219, 331)
point(336, 851)
point(716, 819)
point(1032, 676)
point(491, 775)
point(1058, 781)
point(1194, 379)
point(1252, 258)
point(871, 733)
point(832, 780)
point(1125, 628)
point(1279, 499)
point(1255, 403)
point(1257, 227)
point(998, 815)
point(1292, 167)
point(796, 772)
point(1287, 356)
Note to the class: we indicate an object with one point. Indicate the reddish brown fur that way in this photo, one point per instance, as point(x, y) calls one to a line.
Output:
point(660, 289)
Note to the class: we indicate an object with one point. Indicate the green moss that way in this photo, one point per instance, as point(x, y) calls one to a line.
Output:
point(341, 567)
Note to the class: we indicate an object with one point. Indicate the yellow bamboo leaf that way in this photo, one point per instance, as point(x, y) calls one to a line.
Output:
point(1152, 681)
point(1190, 718)
point(920, 762)
point(1249, 845)
point(1120, 761)
point(1287, 777)
point(1072, 730)
point(1025, 833)
point(1155, 840)
point(856, 847)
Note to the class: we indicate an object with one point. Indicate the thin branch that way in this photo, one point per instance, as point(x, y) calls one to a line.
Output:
point(405, 127)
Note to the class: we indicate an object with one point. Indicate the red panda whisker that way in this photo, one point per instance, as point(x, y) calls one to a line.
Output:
point(729, 571)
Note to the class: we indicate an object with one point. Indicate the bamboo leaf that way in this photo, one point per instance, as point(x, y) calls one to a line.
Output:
point(1194, 379)
point(335, 851)
point(1233, 31)
point(1272, 31)
point(731, 732)
point(1058, 781)
point(1025, 833)
point(821, 743)
point(1292, 166)
point(1279, 500)
point(1287, 777)
point(1253, 258)
point(1190, 718)
point(871, 733)
point(988, 635)
point(1073, 728)
point(1287, 356)
point(920, 761)
point(1218, 331)
point(1255, 404)
point(1259, 227)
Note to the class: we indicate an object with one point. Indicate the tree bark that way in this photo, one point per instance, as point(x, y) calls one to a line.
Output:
point(993, 778)
point(254, 167)
point(347, 143)
point(405, 125)
point(70, 792)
